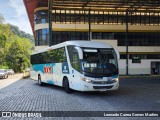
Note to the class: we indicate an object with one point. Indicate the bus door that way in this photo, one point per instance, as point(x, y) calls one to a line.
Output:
point(75, 65)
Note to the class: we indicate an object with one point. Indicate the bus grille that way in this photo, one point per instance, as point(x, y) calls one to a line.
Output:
point(102, 87)
point(103, 82)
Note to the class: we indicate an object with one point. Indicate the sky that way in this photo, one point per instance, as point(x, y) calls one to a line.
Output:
point(15, 13)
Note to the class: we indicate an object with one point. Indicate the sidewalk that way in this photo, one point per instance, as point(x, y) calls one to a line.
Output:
point(138, 76)
point(11, 79)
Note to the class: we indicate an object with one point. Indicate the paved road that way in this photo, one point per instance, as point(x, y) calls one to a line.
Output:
point(135, 94)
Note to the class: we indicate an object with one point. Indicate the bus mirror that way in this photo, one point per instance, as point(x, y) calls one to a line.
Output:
point(80, 53)
point(117, 53)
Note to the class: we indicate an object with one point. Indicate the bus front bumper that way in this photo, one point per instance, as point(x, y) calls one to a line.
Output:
point(84, 86)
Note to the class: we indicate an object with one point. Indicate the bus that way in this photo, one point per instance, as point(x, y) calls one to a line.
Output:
point(77, 65)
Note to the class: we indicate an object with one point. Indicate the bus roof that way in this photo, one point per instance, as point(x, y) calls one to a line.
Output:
point(88, 44)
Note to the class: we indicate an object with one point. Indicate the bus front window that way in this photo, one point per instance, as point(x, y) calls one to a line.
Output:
point(100, 62)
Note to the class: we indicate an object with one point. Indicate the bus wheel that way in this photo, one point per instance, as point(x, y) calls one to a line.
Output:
point(66, 85)
point(39, 81)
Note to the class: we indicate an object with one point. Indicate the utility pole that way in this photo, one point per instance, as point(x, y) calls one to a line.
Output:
point(50, 21)
point(127, 56)
point(89, 25)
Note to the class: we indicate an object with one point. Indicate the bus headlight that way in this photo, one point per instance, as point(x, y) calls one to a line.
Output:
point(117, 79)
point(86, 79)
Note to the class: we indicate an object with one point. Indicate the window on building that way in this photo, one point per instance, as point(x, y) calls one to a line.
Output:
point(41, 17)
point(123, 56)
point(103, 17)
point(135, 58)
point(134, 39)
point(144, 56)
point(42, 37)
point(102, 35)
point(58, 37)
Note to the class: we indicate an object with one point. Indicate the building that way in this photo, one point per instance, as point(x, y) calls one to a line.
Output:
point(132, 27)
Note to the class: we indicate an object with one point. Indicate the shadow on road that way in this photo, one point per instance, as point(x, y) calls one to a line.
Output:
point(128, 87)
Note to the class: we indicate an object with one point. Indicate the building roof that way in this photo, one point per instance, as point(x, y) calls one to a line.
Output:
point(108, 4)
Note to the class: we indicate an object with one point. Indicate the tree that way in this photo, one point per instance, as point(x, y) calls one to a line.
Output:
point(20, 33)
point(19, 55)
point(15, 47)
point(2, 41)
point(3, 44)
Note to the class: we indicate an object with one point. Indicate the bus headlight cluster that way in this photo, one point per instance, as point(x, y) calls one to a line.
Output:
point(117, 79)
point(86, 79)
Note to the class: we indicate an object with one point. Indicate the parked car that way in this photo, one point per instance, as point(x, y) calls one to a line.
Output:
point(10, 72)
point(3, 73)
point(27, 69)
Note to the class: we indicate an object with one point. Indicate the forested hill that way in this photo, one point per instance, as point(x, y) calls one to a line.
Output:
point(20, 33)
point(16, 47)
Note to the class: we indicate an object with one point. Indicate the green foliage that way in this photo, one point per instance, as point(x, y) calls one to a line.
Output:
point(20, 33)
point(18, 56)
point(4, 67)
point(2, 40)
point(15, 49)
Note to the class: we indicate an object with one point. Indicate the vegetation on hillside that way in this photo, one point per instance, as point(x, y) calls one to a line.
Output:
point(15, 47)
point(20, 33)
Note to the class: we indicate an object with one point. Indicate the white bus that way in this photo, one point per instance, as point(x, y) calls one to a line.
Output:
point(77, 65)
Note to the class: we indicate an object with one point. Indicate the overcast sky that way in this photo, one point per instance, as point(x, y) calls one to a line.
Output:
point(15, 13)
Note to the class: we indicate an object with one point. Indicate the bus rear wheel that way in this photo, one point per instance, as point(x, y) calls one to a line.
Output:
point(39, 81)
point(66, 86)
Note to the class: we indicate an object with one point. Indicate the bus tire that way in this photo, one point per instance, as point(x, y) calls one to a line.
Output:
point(39, 81)
point(66, 86)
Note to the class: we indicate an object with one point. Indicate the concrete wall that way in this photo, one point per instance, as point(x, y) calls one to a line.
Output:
point(104, 28)
point(41, 26)
point(99, 28)
point(136, 68)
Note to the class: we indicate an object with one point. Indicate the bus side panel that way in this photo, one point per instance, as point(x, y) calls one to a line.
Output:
point(57, 74)
point(59, 71)
point(33, 75)
point(74, 80)
point(45, 71)
point(51, 73)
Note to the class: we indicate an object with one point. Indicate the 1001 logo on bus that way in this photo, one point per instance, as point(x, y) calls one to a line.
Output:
point(48, 69)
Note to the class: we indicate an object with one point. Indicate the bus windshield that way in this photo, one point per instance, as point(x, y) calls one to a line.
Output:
point(99, 62)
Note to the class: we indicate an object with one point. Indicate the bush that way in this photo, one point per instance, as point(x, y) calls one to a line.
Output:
point(4, 67)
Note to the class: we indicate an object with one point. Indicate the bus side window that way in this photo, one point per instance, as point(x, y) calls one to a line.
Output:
point(64, 56)
point(61, 55)
point(74, 58)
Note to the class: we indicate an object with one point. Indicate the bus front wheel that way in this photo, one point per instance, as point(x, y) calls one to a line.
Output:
point(66, 85)
point(39, 81)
